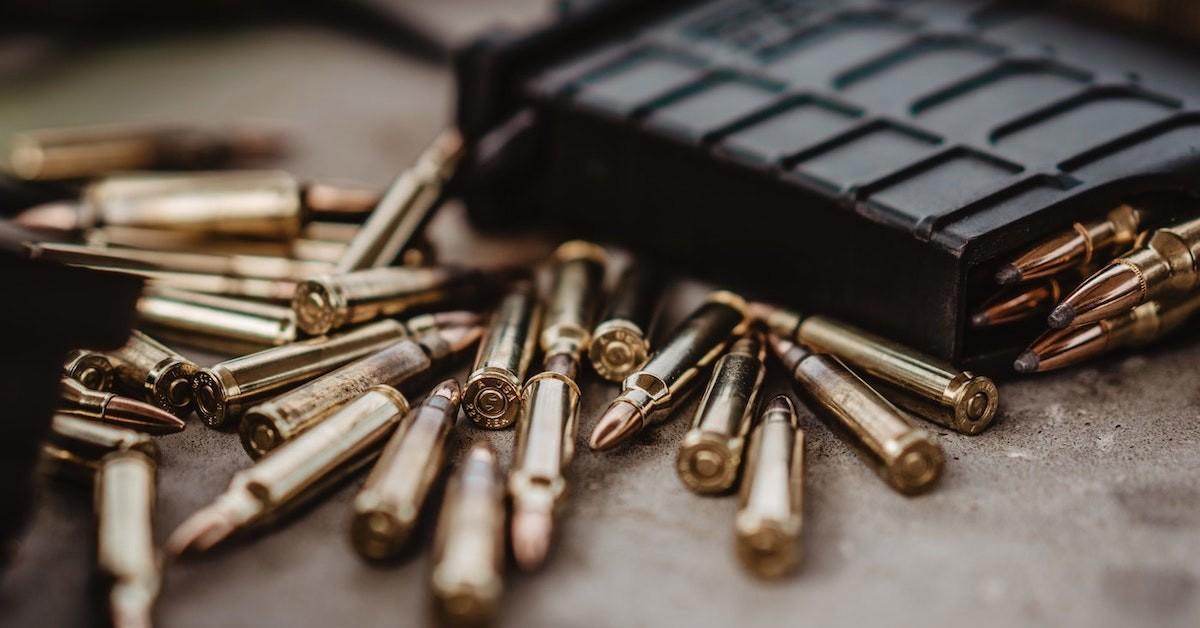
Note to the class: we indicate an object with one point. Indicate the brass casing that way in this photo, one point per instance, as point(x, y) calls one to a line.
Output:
point(156, 373)
point(406, 205)
point(224, 265)
point(492, 394)
point(223, 391)
point(621, 341)
point(711, 452)
point(390, 502)
point(93, 370)
point(205, 320)
point(1168, 264)
point(1149, 322)
point(933, 389)
point(574, 296)
point(330, 302)
point(907, 458)
point(268, 425)
point(306, 249)
point(263, 204)
point(770, 512)
point(545, 441)
point(74, 447)
point(125, 550)
point(469, 548)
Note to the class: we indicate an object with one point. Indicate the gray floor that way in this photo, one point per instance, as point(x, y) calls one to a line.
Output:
point(1080, 507)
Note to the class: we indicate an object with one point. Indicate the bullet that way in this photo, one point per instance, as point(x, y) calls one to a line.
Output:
point(307, 249)
point(93, 370)
point(241, 266)
point(1084, 244)
point(1140, 326)
point(74, 447)
point(225, 390)
point(621, 342)
point(213, 322)
point(491, 397)
point(328, 302)
point(711, 451)
point(549, 410)
point(347, 441)
point(405, 207)
point(770, 512)
point(76, 153)
point(931, 388)
point(1166, 267)
point(391, 500)
point(268, 425)
point(146, 367)
point(109, 408)
point(1022, 303)
point(125, 551)
point(273, 291)
point(649, 392)
point(468, 551)
point(906, 457)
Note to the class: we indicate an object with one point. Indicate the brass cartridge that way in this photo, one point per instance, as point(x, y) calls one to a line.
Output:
point(93, 370)
point(770, 512)
point(125, 550)
point(268, 425)
point(307, 249)
point(649, 393)
point(349, 439)
point(711, 452)
point(241, 266)
point(907, 458)
point(106, 407)
point(155, 373)
point(330, 302)
point(391, 500)
point(574, 295)
point(491, 397)
point(927, 386)
point(621, 341)
point(204, 320)
point(468, 551)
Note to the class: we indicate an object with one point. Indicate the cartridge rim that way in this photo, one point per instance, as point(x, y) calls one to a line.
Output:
point(316, 303)
point(491, 398)
point(260, 432)
point(767, 549)
point(916, 463)
point(708, 462)
point(618, 348)
point(211, 388)
point(172, 390)
point(975, 400)
point(376, 533)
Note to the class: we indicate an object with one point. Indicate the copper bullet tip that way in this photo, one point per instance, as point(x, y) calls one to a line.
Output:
point(1027, 362)
point(142, 417)
point(1116, 289)
point(531, 532)
point(618, 423)
point(200, 532)
point(1061, 317)
point(1008, 275)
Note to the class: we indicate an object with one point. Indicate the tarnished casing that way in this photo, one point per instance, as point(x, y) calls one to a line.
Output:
point(156, 373)
point(215, 323)
point(621, 341)
point(491, 397)
point(771, 504)
point(329, 302)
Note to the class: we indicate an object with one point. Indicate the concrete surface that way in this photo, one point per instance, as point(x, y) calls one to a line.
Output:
point(1080, 507)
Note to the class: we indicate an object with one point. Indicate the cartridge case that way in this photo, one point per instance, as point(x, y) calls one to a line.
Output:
point(1168, 264)
point(574, 296)
point(545, 441)
point(621, 341)
point(711, 452)
point(491, 397)
point(93, 370)
point(223, 391)
point(391, 500)
point(216, 322)
point(74, 447)
point(405, 207)
point(924, 385)
point(308, 249)
point(159, 375)
point(906, 457)
point(468, 552)
point(770, 512)
point(74, 153)
point(125, 550)
point(272, 291)
point(245, 266)
point(268, 425)
point(330, 302)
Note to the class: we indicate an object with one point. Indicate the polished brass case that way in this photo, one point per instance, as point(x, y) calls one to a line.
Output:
point(213, 322)
point(711, 452)
point(621, 341)
point(573, 299)
point(93, 370)
point(224, 390)
point(330, 302)
point(126, 553)
point(770, 513)
point(491, 397)
point(467, 578)
point(390, 502)
point(545, 442)
point(155, 373)
point(1168, 263)
point(927, 386)
point(396, 221)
